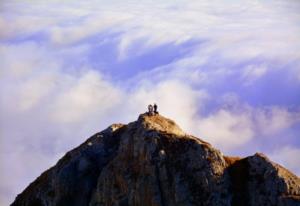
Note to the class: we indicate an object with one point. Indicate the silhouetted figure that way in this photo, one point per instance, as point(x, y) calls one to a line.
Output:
point(150, 110)
point(155, 109)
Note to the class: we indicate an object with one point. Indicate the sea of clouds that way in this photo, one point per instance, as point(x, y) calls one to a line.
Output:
point(227, 72)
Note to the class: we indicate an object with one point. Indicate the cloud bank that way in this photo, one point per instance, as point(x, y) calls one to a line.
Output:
point(226, 72)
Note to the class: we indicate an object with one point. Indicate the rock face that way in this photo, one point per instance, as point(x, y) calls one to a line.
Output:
point(152, 162)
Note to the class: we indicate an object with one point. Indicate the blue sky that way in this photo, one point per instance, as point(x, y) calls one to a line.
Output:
point(225, 71)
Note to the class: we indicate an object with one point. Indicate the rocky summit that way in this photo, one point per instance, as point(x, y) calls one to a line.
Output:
point(152, 162)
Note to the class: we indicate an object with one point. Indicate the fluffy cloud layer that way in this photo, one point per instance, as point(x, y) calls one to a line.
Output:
point(288, 156)
point(227, 72)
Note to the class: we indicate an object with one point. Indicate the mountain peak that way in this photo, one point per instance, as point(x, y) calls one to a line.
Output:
point(160, 123)
point(152, 162)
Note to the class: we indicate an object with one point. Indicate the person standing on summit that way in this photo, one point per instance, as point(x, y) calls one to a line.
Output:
point(155, 109)
point(150, 110)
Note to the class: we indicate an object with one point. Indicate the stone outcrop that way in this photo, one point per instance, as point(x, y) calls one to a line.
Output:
point(152, 162)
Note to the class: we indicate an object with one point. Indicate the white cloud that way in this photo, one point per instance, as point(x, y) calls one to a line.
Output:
point(235, 30)
point(274, 119)
point(234, 124)
point(34, 90)
point(88, 95)
point(90, 26)
point(287, 156)
point(22, 59)
point(253, 72)
point(226, 130)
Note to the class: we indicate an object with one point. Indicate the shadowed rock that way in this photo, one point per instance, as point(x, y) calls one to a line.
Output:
point(152, 162)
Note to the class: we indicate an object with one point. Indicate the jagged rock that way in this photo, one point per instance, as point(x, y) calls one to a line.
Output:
point(152, 162)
